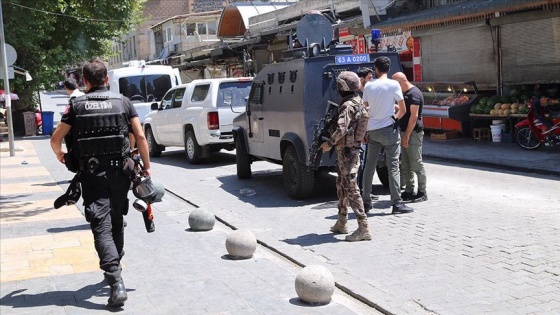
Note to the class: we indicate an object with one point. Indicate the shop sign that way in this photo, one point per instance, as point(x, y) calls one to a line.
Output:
point(402, 42)
point(344, 34)
point(358, 45)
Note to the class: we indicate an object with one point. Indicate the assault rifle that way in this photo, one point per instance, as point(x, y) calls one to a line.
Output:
point(321, 133)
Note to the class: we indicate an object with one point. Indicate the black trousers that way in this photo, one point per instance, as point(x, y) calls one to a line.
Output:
point(105, 201)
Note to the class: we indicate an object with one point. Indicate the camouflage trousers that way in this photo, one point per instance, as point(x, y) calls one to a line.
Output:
point(347, 188)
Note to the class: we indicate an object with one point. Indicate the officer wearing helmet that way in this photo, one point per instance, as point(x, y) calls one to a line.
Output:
point(100, 122)
point(351, 127)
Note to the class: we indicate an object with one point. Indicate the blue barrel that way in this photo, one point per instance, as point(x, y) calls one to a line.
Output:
point(48, 122)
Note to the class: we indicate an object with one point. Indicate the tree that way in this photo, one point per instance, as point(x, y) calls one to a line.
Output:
point(50, 35)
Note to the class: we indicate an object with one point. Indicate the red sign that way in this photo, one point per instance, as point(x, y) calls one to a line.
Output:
point(361, 45)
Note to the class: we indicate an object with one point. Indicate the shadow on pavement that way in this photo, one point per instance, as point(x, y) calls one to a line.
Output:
point(77, 298)
point(312, 239)
point(177, 158)
point(69, 228)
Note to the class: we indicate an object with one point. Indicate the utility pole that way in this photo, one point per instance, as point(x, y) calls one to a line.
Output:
point(7, 96)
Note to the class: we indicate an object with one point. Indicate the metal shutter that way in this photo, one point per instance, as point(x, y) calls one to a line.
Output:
point(459, 55)
point(531, 51)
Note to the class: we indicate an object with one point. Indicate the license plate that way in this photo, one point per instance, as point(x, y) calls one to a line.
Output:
point(349, 59)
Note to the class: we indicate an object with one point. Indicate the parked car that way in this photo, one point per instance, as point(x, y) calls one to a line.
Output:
point(143, 84)
point(198, 116)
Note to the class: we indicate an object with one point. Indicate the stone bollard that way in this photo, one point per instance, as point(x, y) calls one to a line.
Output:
point(241, 244)
point(201, 220)
point(315, 284)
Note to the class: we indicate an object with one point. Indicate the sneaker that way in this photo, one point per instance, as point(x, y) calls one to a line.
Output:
point(339, 228)
point(359, 235)
point(406, 196)
point(401, 208)
point(420, 196)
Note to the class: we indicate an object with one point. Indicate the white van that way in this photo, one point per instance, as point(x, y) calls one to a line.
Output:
point(143, 84)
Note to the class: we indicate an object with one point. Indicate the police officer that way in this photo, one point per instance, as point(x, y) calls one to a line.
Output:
point(351, 127)
point(100, 122)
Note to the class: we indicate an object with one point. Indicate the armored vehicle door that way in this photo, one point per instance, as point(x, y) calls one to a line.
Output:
point(255, 113)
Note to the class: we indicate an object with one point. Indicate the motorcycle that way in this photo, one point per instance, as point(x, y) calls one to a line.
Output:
point(530, 133)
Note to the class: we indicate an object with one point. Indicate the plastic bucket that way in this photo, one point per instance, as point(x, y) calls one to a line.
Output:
point(48, 122)
point(496, 132)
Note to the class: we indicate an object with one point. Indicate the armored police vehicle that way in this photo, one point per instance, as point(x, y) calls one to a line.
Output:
point(288, 104)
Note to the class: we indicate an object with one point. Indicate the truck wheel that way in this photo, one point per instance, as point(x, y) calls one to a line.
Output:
point(298, 179)
point(383, 175)
point(243, 161)
point(154, 148)
point(192, 149)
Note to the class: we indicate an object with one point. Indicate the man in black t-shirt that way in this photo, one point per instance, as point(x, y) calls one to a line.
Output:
point(412, 135)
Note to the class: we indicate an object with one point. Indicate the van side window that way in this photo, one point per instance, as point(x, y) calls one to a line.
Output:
point(256, 93)
point(200, 92)
point(145, 88)
point(178, 99)
point(167, 100)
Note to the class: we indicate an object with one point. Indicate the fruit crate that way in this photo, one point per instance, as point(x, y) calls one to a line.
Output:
point(445, 135)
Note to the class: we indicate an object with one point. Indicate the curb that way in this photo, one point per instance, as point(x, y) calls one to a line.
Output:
point(514, 168)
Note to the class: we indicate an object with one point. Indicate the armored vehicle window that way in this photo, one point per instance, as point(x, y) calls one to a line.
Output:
point(145, 88)
point(233, 93)
point(178, 99)
point(256, 93)
point(200, 92)
point(167, 100)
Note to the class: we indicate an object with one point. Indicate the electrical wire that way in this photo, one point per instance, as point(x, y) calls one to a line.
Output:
point(74, 16)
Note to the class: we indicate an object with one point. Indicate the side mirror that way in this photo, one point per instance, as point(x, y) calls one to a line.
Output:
point(154, 106)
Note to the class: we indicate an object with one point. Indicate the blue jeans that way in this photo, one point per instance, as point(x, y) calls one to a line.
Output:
point(391, 141)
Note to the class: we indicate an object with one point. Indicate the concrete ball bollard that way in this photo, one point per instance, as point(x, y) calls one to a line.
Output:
point(315, 284)
point(241, 244)
point(201, 220)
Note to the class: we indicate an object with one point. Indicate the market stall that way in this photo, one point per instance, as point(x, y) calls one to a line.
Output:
point(447, 104)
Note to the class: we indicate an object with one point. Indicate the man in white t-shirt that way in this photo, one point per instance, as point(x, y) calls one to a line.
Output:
point(380, 95)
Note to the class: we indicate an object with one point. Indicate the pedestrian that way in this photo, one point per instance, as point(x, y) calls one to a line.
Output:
point(365, 75)
point(412, 136)
point(100, 122)
point(350, 129)
point(71, 86)
point(380, 95)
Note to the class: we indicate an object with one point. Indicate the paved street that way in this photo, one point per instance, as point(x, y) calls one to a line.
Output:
point(486, 241)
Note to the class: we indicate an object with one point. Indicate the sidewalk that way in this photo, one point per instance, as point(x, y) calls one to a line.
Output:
point(499, 155)
point(49, 264)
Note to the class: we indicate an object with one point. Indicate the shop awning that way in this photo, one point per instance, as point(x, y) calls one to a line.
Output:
point(461, 12)
point(235, 17)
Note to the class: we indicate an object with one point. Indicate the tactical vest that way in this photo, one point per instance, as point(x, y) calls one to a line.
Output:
point(101, 128)
point(358, 126)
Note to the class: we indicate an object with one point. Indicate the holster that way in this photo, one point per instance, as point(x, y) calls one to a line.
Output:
point(71, 162)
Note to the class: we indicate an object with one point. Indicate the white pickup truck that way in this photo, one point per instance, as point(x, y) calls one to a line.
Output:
point(198, 116)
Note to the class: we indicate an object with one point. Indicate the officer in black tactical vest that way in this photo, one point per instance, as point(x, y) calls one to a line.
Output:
point(100, 122)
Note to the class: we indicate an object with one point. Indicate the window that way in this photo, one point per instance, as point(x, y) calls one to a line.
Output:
point(200, 92)
point(233, 93)
point(256, 93)
point(212, 28)
point(145, 88)
point(168, 35)
point(178, 99)
point(167, 100)
point(201, 28)
point(190, 29)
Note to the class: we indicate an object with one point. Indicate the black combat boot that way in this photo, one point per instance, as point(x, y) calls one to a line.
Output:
point(118, 291)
